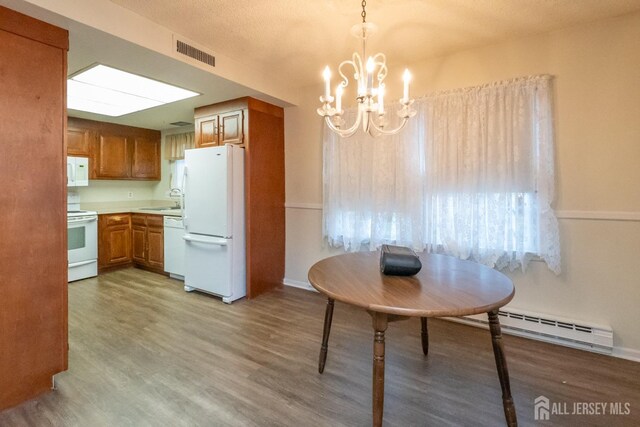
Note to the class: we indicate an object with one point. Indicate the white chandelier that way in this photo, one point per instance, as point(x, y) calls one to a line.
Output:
point(370, 98)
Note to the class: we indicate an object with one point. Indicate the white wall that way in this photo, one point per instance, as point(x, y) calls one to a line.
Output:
point(597, 117)
point(116, 191)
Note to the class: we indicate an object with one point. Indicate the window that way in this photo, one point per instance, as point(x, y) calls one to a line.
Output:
point(472, 175)
point(177, 173)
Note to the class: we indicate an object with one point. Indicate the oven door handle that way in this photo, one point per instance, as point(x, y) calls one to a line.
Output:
point(81, 220)
point(81, 263)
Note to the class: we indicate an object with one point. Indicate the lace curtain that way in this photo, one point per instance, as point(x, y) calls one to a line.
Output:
point(177, 143)
point(472, 175)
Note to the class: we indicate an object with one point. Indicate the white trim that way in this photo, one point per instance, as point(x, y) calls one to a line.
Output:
point(599, 215)
point(592, 215)
point(294, 205)
point(298, 284)
point(626, 353)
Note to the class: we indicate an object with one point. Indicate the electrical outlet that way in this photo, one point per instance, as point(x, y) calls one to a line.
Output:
point(130, 194)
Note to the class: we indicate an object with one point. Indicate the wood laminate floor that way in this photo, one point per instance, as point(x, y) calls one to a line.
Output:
point(145, 353)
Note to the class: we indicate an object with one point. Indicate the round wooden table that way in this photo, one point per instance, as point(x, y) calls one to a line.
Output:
point(445, 286)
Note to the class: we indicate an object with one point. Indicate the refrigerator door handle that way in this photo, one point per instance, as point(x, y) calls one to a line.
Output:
point(214, 241)
point(183, 185)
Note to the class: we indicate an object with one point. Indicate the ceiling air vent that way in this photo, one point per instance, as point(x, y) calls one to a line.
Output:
point(180, 123)
point(189, 50)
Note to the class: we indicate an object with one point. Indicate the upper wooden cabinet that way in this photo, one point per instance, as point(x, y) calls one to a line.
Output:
point(112, 158)
point(145, 160)
point(206, 131)
point(78, 141)
point(116, 151)
point(219, 126)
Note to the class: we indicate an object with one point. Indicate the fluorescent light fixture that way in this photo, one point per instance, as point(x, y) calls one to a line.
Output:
point(105, 90)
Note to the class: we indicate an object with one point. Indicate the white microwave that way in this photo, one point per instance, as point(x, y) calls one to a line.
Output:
point(77, 171)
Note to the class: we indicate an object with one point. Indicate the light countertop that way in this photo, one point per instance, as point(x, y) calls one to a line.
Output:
point(134, 206)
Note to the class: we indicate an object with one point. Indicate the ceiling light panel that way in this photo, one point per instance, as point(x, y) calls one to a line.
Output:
point(105, 90)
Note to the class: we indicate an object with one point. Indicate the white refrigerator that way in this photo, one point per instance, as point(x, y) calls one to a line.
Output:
point(213, 216)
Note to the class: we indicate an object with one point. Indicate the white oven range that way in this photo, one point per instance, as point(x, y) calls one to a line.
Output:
point(82, 244)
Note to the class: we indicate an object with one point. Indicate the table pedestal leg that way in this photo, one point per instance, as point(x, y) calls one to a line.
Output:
point(379, 326)
point(328, 315)
point(503, 372)
point(425, 336)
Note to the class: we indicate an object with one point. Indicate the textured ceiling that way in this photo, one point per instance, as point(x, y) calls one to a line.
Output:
point(296, 38)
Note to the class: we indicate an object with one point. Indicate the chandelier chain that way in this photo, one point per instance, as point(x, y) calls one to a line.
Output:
point(364, 12)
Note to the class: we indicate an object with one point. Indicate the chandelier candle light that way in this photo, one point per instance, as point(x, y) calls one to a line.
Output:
point(371, 114)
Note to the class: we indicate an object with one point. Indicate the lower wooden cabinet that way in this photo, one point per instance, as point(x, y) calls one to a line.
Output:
point(114, 240)
point(147, 235)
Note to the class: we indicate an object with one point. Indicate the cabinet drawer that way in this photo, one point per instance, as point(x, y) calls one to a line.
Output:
point(119, 219)
point(155, 221)
point(139, 219)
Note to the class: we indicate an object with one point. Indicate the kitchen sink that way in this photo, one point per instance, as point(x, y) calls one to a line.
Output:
point(161, 208)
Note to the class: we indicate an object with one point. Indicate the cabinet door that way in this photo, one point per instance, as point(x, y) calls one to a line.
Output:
point(113, 157)
point(119, 245)
point(145, 159)
point(206, 131)
point(78, 142)
point(139, 239)
point(231, 127)
point(155, 253)
point(114, 240)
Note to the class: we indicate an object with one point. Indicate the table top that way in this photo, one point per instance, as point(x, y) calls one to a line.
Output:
point(445, 286)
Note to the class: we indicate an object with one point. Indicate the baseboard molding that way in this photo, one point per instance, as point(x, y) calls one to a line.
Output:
point(626, 353)
point(599, 215)
point(620, 352)
point(298, 284)
point(312, 206)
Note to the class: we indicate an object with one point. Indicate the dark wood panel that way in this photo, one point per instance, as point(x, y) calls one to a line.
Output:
point(142, 348)
point(33, 229)
point(33, 29)
point(265, 202)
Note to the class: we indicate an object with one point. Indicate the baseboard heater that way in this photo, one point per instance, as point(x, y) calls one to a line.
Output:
point(546, 328)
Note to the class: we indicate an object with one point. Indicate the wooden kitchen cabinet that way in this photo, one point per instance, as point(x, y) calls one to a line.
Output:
point(259, 128)
point(116, 151)
point(78, 141)
point(218, 127)
point(114, 241)
point(147, 234)
point(112, 157)
point(145, 160)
